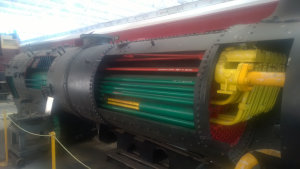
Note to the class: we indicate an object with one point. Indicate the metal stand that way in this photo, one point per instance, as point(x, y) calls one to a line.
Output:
point(22, 145)
point(140, 153)
point(4, 90)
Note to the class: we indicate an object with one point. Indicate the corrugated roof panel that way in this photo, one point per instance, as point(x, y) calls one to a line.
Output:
point(34, 18)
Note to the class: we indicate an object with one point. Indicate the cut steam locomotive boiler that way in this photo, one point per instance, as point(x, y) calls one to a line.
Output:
point(209, 98)
point(159, 93)
point(163, 99)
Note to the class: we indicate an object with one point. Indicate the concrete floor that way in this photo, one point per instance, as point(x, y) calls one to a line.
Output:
point(92, 152)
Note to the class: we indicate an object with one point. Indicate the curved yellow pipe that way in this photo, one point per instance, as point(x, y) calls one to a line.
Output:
point(231, 99)
point(248, 161)
point(270, 152)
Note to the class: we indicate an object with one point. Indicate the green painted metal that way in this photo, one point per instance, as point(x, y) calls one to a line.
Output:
point(167, 110)
point(178, 88)
point(36, 80)
point(56, 125)
point(149, 91)
point(159, 80)
point(177, 122)
point(12, 87)
point(175, 111)
point(178, 100)
point(165, 99)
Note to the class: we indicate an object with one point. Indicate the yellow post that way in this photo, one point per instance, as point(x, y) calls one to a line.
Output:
point(5, 163)
point(52, 134)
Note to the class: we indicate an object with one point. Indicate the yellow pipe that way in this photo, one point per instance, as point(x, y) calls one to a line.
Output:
point(227, 119)
point(270, 152)
point(123, 105)
point(229, 100)
point(265, 78)
point(52, 135)
point(5, 163)
point(124, 101)
point(248, 161)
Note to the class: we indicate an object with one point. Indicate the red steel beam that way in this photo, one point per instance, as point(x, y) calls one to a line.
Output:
point(158, 59)
point(161, 57)
point(147, 69)
point(165, 55)
point(200, 24)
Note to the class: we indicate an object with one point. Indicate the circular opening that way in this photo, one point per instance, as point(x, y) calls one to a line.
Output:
point(155, 86)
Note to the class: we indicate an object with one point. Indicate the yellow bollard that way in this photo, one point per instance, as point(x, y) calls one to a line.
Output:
point(5, 163)
point(52, 135)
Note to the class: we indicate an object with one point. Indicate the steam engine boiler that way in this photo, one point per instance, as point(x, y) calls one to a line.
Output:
point(199, 100)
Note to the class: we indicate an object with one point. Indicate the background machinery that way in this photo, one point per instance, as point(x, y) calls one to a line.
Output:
point(195, 101)
point(9, 47)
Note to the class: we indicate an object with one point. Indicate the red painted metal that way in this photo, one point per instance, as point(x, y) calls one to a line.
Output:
point(160, 57)
point(227, 134)
point(147, 69)
point(166, 55)
point(201, 24)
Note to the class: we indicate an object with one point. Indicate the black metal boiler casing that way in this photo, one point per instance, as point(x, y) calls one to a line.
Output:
point(26, 75)
point(71, 78)
point(75, 78)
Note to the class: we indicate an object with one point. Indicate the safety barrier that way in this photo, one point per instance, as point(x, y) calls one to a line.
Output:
point(5, 162)
point(52, 136)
